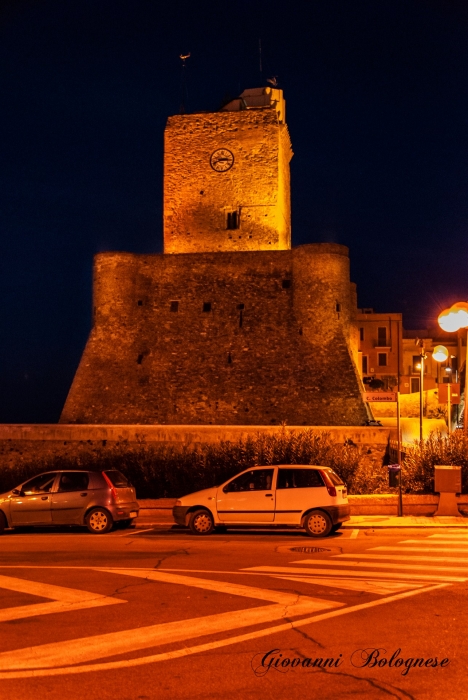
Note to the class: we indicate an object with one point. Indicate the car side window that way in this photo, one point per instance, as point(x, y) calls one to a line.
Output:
point(255, 480)
point(40, 484)
point(73, 481)
point(299, 479)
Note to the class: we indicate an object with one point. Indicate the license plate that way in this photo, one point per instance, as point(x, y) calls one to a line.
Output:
point(133, 514)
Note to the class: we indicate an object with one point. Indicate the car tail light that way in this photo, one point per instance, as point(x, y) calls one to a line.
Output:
point(329, 484)
point(178, 503)
point(111, 485)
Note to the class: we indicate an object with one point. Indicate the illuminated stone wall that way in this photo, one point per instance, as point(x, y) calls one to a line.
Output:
point(241, 338)
point(198, 199)
point(26, 443)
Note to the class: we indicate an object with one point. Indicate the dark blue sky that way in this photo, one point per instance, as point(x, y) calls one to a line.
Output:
point(377, 104)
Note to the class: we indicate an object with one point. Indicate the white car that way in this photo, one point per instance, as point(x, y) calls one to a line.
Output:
point(311, 497)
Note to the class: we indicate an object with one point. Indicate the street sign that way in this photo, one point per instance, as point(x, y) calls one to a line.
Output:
point(454, 393)
point(380, 396)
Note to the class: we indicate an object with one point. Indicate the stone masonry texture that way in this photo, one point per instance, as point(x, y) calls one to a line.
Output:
point(241, 338)
point(197, 199)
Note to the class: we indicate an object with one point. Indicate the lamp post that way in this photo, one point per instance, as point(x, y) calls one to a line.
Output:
point(440, 354)
point(422, 357)
point(454, 319)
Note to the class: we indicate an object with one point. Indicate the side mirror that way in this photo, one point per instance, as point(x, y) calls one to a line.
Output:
point(16, 492)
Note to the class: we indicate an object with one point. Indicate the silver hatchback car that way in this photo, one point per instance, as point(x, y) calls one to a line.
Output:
point(96, 499)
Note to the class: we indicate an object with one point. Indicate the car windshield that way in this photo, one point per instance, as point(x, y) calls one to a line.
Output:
point(117, 478)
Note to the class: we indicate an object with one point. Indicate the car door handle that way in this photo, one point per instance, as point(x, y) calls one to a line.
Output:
point(268, 495)
point(83, 494)
point(44, 498)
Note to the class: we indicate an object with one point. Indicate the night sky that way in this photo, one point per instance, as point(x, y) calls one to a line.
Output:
point(377, 105)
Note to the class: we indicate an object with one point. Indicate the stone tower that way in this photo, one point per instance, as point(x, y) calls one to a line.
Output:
point(226, 177)
point(230, 325)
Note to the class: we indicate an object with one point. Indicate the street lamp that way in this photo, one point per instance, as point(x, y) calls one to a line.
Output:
point(452, 320)
point(440, 354)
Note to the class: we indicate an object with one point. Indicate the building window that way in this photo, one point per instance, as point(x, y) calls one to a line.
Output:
point(207, 306)
point(286, 284)
point(416, 364)
point(175, 306)
point(361, 334)
point(233, 220)
point(338, 307)
point(414, 385)
point(140, 302)
point(382, 359)
point(365, 360)
point(381, 337)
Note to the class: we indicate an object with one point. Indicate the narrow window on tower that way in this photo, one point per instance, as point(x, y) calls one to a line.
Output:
point(241, 314)
point(207, 306)
point(233, 220)
point(175, 306)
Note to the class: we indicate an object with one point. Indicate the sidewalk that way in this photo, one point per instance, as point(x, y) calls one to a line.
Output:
point(382, 521)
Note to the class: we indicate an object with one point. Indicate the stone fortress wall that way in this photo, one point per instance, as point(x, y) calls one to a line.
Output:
point(20, 444)
point(241, 338)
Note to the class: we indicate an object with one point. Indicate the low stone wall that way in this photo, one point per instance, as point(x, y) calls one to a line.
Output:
point(387, 504)
point(23, 443)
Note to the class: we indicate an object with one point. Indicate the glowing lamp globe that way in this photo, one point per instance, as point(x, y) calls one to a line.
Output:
point(440, 353)
point(456, 317)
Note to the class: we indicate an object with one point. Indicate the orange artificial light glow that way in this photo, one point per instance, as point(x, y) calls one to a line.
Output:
point(440, 353)
point(456, 317)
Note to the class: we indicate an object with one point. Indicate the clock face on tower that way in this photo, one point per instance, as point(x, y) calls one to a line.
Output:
point(221, 160)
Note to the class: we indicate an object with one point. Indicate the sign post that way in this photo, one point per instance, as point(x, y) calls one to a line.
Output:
point(400, 497)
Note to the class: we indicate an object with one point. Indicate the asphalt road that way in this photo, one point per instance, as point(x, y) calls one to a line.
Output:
point(143, 615)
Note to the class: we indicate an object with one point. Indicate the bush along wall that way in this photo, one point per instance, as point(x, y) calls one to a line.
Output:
point(162, 471)
point(420, 460)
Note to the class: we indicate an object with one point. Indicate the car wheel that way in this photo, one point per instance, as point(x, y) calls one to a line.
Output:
point(99, 521)
point(317, 523)
point(3, 523)
point(201, 522)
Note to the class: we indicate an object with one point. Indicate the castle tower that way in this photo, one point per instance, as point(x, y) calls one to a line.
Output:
point(226, 177)
point(230, 325)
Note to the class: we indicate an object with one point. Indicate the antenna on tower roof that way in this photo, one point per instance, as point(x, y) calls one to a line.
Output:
point(183, 84)
point(260, 56)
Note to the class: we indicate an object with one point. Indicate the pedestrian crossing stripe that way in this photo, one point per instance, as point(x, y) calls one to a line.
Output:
point(379, 587)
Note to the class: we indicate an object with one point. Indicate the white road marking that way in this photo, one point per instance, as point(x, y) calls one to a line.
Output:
point(377, 564)
point(187, 651)
point(370, 574)
point(126, 641)
point(424, 542)
point(380, 587)
point(454, 535)
point(354, 534)
point(64, 599)
point(407, 557)
point(432, 549)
